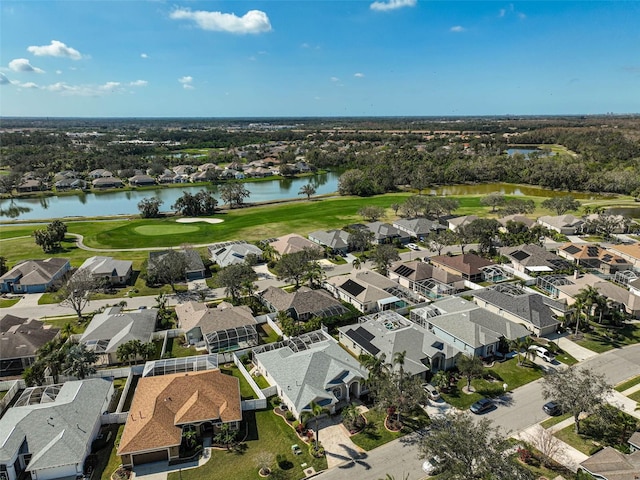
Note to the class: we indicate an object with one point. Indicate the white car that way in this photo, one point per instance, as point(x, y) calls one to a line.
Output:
point(413, 246)
point(429, 466)
point(542, 352)
point(432, 393)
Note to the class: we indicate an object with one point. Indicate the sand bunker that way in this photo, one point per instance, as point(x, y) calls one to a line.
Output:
point(193, 220)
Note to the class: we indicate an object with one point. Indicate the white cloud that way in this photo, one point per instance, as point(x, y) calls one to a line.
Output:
point(503, 12)
point(92, 90)
point(55, 49)
point(186, 82)
point(26, 85)
point(457, 28)
point(59, 72)
point(110, 86)
point(334, 79)
point(144, 55)
point(139, 83)
point(3, 79)
point(188, 86)
point(358, 75)
point(23, 65)
point(392, 5)
point(254, 21)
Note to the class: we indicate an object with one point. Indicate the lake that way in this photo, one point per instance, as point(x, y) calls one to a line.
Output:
point(126, 202)
point(527, 151)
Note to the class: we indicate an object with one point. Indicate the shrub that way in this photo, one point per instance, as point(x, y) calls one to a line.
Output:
point(289, 416)
point(283, 462)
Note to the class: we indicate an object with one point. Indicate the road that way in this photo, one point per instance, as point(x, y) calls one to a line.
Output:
point(517, 411)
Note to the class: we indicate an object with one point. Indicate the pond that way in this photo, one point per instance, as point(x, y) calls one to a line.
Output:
point(126, 202)
point(527, 151)
point(631, 212)
point(509, 189)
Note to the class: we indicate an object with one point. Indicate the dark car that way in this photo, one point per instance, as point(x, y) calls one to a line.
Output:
point(552, 408)
point(483, 405)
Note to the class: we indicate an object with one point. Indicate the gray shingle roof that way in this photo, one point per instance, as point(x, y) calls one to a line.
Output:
point(58, 433)
point(21, 337)
point(107, 266)
point(532, 308)
point(336, 239)
point(304, 301)
point(234, 253)
point(116, 327)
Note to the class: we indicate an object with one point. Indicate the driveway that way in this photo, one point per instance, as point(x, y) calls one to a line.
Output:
point(337, 444)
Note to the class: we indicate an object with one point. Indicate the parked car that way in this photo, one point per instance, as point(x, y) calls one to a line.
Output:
point(482, 406)
point(430, 466)
point(413, 246)
point(552, 408)
point(542, 352)
point(432, 393)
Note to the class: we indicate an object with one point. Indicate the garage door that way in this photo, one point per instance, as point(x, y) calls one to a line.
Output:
point(160, 456)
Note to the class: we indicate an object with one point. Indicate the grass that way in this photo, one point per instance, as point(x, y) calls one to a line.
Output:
point(376, 434)
point(108, 461)
point(267, 334)
point(267, 434)
point(632, 382)
point(178, 350)
point(635, 396)
point(508, 372)
point(246, 392)
point(551, 421)
point(601, 339)
point(261, 381)
point(60, 322)
point(8, 302)
point(566, 358)
point(569, 436)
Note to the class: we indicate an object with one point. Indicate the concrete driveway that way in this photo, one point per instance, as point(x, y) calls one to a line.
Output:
point(337, 444)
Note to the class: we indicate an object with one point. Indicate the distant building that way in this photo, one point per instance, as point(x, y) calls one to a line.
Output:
point(34, 276)
point(20, 339)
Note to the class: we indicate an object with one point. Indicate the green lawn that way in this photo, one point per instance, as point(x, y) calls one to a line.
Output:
point(261, 381)
point(179, 350)
point(246, 392)
point(508, 372)
point(602, 339)
point(635, 396)
point(568, 435)
point(376, 434)
point(268, 433)
point(8, 302)
point(551, 421)
point(108, 461)
point(60, 322)
point(621, 387)
point(267, 334)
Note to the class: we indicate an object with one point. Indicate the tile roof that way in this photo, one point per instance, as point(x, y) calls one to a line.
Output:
point(467, 263)
point(35, 272)
point(533, 308)
point(303, 301)
point(163, 403)
point(107, 266)
point(589, 251)
point(614, 465)
point(209, 320)
point(417, 271)
point(115, 327)
point(292, 243)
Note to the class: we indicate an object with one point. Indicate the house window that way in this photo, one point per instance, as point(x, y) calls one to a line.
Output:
point(338, 393)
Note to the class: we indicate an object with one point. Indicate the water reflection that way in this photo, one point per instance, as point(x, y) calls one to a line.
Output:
point(44, 202)
point(13, 211)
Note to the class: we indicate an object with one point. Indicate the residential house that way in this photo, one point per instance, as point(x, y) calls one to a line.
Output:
point(34, 276)
point(293, 243)
point(533, 259)
point(387, 233)
point(30, 185)
point(369, 291)
point(619, 223)
point(466, 326)
point(194, 268)
point(107, 182)
point(425, 279)
point(99, 173)
point(388, 333)
point(457, 222)
point(538, 313)
point(336, 240)
point(164, 406)
point(629, 252)
point(141, 180)
point(594, 256)
point(516, 218)
point(564, 224)
point(114, 327)
point(220, 329)
point(168, 177)
point(611, 464)
point(567, 287)
point(115, 272)
point(230, 253)
point(417, 227)
point(468, 265)
point(70, 184)
point(48, 432)
point(20, 338)
point(303, 304)
point(321, 372)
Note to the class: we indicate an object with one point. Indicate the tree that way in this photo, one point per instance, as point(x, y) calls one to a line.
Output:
point(125, 352)
point(484, 230)
point(226, 436)
point(470, 367)
point(189, 436)
point(470, 449)
point(234, 193)
point(383, 256)
point(437, 240)
point(360, 239)
point(493, 200)
point(80, 361)
point(295, 266)
point(371, 213)
point(463, 237)
point(513, 206)
point(264, 461)
point(549, 446)
point(315, 274)
point(561, 205)
point(168, 267)
point(76, 293)
point(200, 204)
point(3, 265)
point(234, 278)
point(313, 413)
point(577, 390)
point(51, 237)
point(307, 190)
point(150, 207)
point(589, 299)
point(34, 375)
point(395, 207)
point(605, 224)
point(51, 356)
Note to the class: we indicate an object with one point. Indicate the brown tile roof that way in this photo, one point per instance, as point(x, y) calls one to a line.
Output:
point(293, 243)
point(223, 317)
point(632, 250)
point(164, 403)
point(468, 263)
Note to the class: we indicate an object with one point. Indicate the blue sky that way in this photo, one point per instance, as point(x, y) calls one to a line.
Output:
point(120, 58)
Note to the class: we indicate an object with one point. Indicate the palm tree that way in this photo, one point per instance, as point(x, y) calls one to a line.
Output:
point(225, 435)
point(67, 330)
point(357, 263)
point(315, 274)
point(52, 356)
point(375, 365)
point(125, 353)
point(350, 415)
point(590, 299)
point(314, 411)
point(307, 190)
point(190, 436)
point(79, 361)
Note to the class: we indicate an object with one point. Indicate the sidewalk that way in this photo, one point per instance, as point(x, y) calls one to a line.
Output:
point(565, 455)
